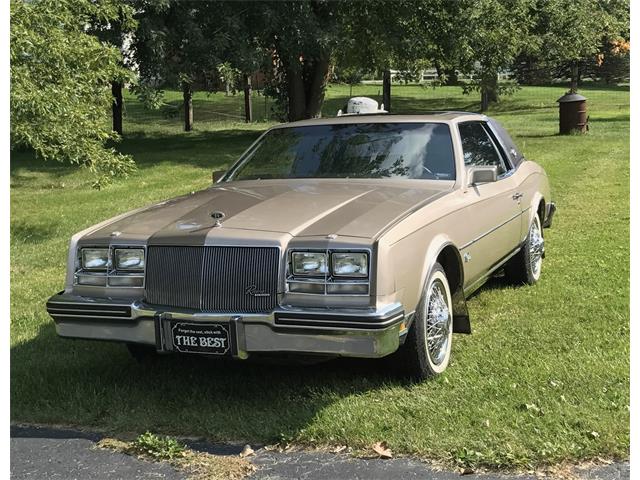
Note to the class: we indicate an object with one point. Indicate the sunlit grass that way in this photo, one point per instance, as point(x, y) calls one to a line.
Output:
point(544, 377)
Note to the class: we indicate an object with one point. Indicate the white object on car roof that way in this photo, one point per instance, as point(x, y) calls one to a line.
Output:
point(362, 105)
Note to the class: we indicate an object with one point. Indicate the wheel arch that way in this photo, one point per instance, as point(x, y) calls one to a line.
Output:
point(444, 252)
point(537, 205)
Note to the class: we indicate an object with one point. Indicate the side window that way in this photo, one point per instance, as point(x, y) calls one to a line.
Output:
point(478, 147)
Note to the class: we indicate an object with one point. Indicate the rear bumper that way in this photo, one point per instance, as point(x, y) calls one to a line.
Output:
point(346, 332)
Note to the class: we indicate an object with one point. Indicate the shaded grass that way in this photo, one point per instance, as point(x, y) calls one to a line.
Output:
point(543, 378)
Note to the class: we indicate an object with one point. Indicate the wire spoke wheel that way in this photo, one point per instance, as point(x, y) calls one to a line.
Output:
point(536, 247)
point(438, 323)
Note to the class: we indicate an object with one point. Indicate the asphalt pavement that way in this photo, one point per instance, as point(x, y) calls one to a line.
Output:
point(65, 454)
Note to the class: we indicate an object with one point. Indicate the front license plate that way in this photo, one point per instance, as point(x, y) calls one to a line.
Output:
point(211, 338)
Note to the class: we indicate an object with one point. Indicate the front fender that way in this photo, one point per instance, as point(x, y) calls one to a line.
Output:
point(443, 246)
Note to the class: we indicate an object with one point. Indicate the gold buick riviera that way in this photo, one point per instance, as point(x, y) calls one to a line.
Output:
point(355, 236)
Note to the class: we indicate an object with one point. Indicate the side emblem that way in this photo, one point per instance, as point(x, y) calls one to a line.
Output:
point(217, 216)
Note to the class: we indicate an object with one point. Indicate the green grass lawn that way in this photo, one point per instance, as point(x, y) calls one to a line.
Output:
point(543, 378)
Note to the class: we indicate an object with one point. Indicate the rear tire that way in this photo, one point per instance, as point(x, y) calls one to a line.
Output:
point(526, 266)
point(427, 348)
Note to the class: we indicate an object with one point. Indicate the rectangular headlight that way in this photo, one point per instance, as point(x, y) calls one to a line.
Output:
point(350, 264)
point(309, 263)
point(130, 259)
point(95, 258)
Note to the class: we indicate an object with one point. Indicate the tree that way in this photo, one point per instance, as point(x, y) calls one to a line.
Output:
point(349, 75)
point(114, 30)
point(299, 39)
point(181, 43)
point(569, 33)
point(613, 62)
point(60, 85)
point(491, 34)
point(229, 76)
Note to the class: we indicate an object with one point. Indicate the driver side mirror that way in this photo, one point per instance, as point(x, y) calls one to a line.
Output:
point(482, 174)
point(217, 175)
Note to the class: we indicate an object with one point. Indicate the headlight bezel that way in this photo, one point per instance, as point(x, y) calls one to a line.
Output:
point(329, 283)
point(109, 276)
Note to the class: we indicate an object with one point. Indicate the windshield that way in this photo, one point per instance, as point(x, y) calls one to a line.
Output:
point(363, 150)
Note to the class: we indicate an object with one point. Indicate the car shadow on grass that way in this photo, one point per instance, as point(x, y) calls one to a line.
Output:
point(97, 384)
point(498, 281)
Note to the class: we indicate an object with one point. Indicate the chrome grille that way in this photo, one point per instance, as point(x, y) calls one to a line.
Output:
point(213, 279)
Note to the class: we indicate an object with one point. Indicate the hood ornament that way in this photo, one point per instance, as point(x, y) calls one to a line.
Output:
point(217, 216)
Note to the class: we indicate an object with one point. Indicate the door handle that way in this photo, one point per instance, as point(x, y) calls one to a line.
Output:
point(517, 196)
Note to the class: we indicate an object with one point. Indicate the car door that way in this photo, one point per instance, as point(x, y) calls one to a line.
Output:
point(492, 209)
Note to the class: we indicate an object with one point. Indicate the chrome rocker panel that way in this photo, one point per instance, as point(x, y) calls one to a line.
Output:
point(346, 332)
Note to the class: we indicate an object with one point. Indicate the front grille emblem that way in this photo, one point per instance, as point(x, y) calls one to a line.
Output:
point(254, 292)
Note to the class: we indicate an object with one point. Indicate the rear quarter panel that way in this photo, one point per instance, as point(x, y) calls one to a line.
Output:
point(534, 185)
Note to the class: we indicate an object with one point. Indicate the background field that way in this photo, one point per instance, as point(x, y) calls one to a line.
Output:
point(543, 378)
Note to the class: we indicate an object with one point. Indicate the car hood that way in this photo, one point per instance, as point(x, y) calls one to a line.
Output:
point(298, 207)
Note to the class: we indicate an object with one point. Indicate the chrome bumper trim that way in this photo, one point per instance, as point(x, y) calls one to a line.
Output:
point(344, 332)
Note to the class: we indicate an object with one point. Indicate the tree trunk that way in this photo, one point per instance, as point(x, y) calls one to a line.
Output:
point(187, 95)
point(575, 75)
point(488, 91)
point(451, 77)
point(386, 90)
point(315, 93)
point(493, 88)
point(116, 106)
point(248, 110)
point(296, 94)
point(484, 100)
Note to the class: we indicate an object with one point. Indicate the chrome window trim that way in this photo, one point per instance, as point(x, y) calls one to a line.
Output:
point(508, 166)
point(502, 151)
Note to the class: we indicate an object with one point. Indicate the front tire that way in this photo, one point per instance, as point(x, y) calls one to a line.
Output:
point(427, 348)
point(526, 266)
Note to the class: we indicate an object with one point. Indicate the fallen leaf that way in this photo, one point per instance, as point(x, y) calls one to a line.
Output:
point(247, 451)
point(340, 449)
point(486, 423)
point(595, 434)
point(382, 450)
point(468, 471)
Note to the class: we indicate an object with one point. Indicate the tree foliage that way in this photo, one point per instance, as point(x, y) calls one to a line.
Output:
point(299, 39)
point(566, 36)
point(492, 32)
point(60, 84)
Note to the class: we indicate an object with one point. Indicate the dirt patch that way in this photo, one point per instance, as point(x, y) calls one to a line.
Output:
point(196, 465)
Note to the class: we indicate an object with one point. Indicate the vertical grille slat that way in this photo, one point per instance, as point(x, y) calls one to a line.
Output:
point(213, 279)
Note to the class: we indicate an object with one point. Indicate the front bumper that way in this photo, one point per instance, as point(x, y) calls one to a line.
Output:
point(347, 332)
